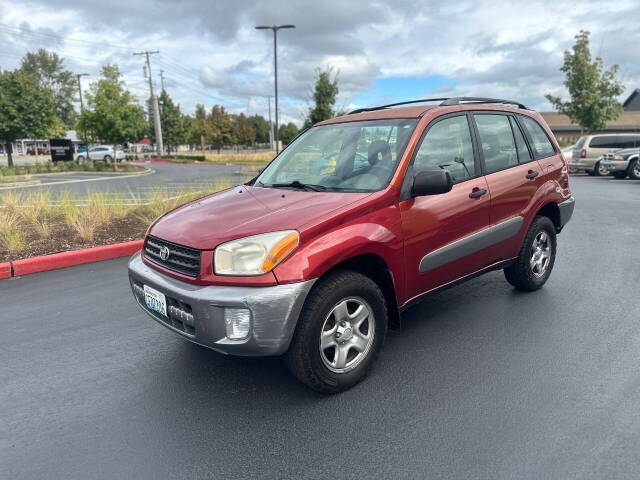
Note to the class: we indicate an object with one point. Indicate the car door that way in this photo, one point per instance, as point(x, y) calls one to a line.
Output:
point(441, 232)
point(513, 176)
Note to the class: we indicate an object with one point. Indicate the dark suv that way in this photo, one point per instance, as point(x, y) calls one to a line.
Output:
point(356, 220)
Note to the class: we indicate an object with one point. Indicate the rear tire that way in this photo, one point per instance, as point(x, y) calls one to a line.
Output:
point(107, 158)
point(634, 170)
point(340, 304)
point(536, 258)
point(600, 171)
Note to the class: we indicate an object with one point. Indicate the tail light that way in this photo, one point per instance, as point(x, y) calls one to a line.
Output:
point(583, 153)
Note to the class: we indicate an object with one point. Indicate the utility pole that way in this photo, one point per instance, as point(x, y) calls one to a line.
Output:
point(78, 76)
point(154, 102)
point(275, 29)
point(162, 79)
point(270, 125)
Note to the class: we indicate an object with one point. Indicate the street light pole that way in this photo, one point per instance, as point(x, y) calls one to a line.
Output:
point(275, 29)
point(78, 76)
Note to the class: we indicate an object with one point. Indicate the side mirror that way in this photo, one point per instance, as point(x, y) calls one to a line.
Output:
point(431, 182)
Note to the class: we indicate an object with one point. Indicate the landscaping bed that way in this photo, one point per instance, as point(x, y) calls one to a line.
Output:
point(39, 224)
point(258, 159)
point(22, 172)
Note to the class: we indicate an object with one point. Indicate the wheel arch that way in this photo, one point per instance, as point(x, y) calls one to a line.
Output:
point(551, 211)
point(374, 267)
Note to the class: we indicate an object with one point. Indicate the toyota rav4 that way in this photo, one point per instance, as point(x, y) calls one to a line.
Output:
point(356, 220)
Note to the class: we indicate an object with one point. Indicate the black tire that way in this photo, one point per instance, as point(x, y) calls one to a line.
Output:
point(597, 172)
point(107, 158)
point(520, 273)
point(620, 175)
point(304, 358)
point(634, 170)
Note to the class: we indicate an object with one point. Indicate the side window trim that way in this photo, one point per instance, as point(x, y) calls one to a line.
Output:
point(536, 155)
point(405, 192)
point(532, 156)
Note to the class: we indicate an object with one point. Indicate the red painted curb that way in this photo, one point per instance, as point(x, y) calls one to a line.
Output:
point(5, 270)
point(74, 257)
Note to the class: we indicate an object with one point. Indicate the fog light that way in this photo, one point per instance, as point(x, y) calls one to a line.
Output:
point(237, 321)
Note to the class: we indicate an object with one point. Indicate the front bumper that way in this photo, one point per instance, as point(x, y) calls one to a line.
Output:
point(274, 310)
point(566, 210)
point(615, 166)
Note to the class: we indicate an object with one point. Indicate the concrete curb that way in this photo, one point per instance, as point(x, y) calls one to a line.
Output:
point(54, 261)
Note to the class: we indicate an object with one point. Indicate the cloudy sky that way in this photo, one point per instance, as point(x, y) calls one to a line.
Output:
point(383, 52)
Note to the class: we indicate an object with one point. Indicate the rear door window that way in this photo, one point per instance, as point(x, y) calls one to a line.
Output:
point(620, 141)
point(539, 139)
point(496, 141)
point(524, 155)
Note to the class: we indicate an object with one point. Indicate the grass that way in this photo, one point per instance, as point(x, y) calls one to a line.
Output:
point(28, 219)
point(8, 174)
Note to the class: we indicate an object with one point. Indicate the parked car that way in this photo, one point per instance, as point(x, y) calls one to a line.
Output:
point(622, 163)
point(102, 152)
point(41, 151)
point(590, 149)
point(316, 266)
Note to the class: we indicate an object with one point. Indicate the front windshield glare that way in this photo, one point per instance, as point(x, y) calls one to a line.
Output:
point(347, 157)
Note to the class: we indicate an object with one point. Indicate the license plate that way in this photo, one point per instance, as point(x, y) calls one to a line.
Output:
point(155, 300)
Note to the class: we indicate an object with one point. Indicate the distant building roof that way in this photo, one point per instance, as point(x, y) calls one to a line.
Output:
point(632, 103)
point(144, 141)
point(627, 121)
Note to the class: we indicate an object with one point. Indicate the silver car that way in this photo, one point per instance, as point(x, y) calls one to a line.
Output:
point(590, 149)
point(102, 152)
point(622, 163)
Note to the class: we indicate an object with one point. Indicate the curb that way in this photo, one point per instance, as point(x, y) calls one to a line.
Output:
point(54, 261)
point(210, 164)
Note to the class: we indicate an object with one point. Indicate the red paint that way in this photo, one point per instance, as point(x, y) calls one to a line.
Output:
point(5, 270)
point(337, 226)
point(74, 257)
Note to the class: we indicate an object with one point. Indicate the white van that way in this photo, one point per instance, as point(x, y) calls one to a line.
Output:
point(590, 149)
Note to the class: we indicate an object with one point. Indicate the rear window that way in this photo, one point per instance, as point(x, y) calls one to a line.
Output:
point(580, 142)
point(541, 143)
point(621, 141)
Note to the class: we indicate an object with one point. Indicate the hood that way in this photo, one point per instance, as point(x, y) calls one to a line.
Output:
point(242, 211)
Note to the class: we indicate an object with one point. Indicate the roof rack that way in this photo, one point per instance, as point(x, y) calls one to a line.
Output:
point(444, 102)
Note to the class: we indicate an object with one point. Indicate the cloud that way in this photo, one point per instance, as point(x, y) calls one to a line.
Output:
point(211, 53)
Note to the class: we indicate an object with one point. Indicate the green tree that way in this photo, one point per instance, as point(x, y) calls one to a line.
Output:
point(171, 119)
point(219, 127)
point(198, 126)
point(324, 97)
point(113, 115)
point(50, 71)
point(26, 109)
point(261, 127)
point(243, 131)
point(288, 132)
point(594, 93)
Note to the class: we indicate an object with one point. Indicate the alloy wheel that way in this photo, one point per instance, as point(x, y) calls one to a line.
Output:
point(540, 254)
point(347, 335)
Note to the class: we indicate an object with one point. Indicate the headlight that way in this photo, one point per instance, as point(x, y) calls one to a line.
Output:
point(254, 255)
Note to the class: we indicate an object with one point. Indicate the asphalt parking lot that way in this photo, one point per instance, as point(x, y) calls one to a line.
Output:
point(482, 381)
point(172, 176)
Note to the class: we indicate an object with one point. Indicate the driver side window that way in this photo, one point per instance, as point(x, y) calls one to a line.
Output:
point(447, 146)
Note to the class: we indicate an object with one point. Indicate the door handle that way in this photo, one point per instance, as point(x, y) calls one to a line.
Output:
point(532, 174)
point(477, 192)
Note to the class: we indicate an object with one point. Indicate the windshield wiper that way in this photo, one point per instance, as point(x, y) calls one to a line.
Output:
point(297, 184)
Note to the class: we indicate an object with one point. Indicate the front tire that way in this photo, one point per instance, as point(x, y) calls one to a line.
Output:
point(634, 170)
point(341, 330)
point(107, 158)
point(537, 255)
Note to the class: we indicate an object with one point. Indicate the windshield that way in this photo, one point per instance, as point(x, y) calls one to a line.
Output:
point(349, 157)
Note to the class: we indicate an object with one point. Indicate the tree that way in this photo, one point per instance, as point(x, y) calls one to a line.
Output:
point(198, 126)
point(49, 69)
point(593, 92)
point(288, 132)
point(324, 97)
point(243, 131)
point(261, 127)
point(173, 128)
point(26, 109)
point(219, 127)
point(112, 114)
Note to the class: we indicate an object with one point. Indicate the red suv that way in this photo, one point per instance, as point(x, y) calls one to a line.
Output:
point(356, 220)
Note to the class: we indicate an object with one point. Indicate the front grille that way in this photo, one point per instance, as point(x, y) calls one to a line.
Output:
point(181, 259)
point(608, 156)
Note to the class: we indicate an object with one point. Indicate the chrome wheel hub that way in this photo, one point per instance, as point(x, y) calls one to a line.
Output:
point(347, 335)
point(540, 254)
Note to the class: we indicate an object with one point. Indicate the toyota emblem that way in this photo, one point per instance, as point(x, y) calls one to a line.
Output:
point(164, 253)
